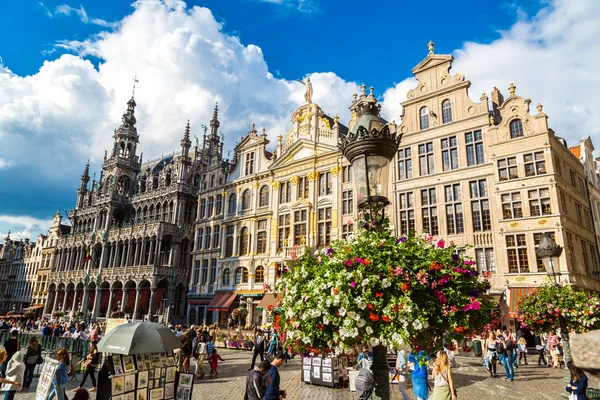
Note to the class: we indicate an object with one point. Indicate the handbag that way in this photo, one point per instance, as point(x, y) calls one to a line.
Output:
point(572, 396)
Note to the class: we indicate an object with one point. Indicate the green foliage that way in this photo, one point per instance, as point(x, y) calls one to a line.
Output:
point(385, 290)
point(542, 309)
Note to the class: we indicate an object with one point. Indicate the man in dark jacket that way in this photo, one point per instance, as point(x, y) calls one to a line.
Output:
point(259, 348)
point(273, 391)
point(257, 381)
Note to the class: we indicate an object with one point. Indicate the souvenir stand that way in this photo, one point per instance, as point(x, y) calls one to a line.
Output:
point(141, 364)
point(45, 380)
point(327, 371)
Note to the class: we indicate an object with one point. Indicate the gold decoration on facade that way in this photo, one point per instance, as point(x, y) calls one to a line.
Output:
point(431, 47)
point(325, 122)
point(225, 194)
point(540, 107)
point(511, 89)
point(335, 120)
point(256, 184)
point(313, 176)
point(279, 139)
point(294, 180)
point(514, 225)
point(275, 185)
point(335, 170)
point(492, 120)
point(542, 222)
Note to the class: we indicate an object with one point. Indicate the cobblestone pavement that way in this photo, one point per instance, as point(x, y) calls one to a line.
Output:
point(473, 383)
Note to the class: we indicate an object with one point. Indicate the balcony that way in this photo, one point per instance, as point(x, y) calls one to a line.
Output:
point(293, 252)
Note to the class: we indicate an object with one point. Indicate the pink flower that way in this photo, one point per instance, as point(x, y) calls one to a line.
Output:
point(398, 271)
point(352, 284)
point(441, 243)
point(428, 237)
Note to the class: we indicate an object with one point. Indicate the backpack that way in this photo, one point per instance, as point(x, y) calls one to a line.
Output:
point(365, 384)
point(500, 348)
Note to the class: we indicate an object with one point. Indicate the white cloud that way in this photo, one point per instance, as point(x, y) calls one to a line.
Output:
point(4, 163)
point(305, 6)
point(22, 226)
point(67, 10)
point(551, 57)
point(46, 10)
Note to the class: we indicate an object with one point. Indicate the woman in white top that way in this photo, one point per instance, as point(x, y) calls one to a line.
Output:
point(443, 384)
point(492, 354)
point(401, 371)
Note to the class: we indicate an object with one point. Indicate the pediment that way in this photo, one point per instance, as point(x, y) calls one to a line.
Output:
point(301, 149)
point(251, 140)
point(301, 203)
point(431, 61)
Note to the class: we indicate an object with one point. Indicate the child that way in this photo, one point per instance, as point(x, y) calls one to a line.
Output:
point(213, 360)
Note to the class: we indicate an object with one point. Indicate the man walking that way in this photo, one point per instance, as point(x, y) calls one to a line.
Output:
point(11, 346)
point(259, 348)
point(257, 381)
point(273, 391)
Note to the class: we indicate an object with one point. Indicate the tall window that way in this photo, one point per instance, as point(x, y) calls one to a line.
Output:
point(516, 247)
point(563, 203)
point(511, 205)
point(241, 275)
point(219, 207)
point(426, 160)
point(480, 206)
point(347, 202)
point(539, 202)
point(246, 199)
point(450, 153)
point(244, 241)
point(285, 192)
point(202, 208)
point(556, 163)
point(284, 231)
point(213, 178)
point(584, 251)
point(407, 212)
point(250, 163)
point(424, 118)
point(537, 237)
point(573, 179)
point(300, 218)
point(213, 271)
point(570, 249)
point(263, 198)
point(211, 202)
point(259, 275)
point(216, 236)
point(446, 111)
point(578, 213)
point(347, 174)
point(347, 230)
point(200, 238)
point(535, 164)
point(595, 267)
point(516, 129)
point(454, 213)
point(204, 272)
point(207, 237)
point(324, 226)
point(429, 211)
point(229, 241)
point(232, 203)
point(226, 277)
point(196, 278)
point(475, 154)
point(405, 167)
point(325, 187)
point(507, 168)
point(261, 237)
point(303, 187)
point(485, 259)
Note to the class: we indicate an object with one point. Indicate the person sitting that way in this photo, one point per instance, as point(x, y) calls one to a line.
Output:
point(365, 359)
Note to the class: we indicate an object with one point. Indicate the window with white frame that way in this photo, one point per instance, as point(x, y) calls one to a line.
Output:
point(446, 111)
point(516, 129)
point(426, 159)
point(325, 184)
point(449, 153)
point(424, 118)
point(507, 169)
point(484, 257)
point(302, 187)
point(539, 202)
point(284, 231)
point(347, 202)
point(454, 212)
point(300, 221)
point(347, 230)
point(261, 237)
point(429, 211)
point(475, 153)
point(516, 247)
point(535, 164)
point(216, 236)
point(407, 212)
point(511, 205)
point(285, 192)
point(324, 226)
point(405, 166)
point(480, 206)
point(250, 163)
point(347, 174)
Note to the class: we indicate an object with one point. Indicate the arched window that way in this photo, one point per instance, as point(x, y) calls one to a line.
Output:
point(516, 129)
point(424, 117)
point(244, 241)
point(263, 199)
point(260, 274)
point(246, 199)
point(212, 180)
point(241, 275)
point(232, 203)
point(446, 111)
point(226, 277)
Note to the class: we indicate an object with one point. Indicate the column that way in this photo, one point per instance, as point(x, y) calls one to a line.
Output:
point(169, 305)
point(151, 305)
point(86, 297)
point(235, 239)
point(137, 301)
point(54, 302)
point(128, 259)
point(123, 255)
point(204, 315)
point(64, 301)
point(96, 308)
point(157, 260)
point(187, 317)
point(110, 300)
point(215, 316)
point(123, 299)
point(136, 253)
point(151, 255)
point(143, 251)
point(104, 256)
point(174, 255)
point(222, 239)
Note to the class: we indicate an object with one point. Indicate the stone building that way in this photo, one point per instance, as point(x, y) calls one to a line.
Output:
point(13, 283)
point(132, 234)
point(492, 175)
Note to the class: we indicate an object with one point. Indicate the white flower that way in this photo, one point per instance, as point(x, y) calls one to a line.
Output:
point(342, 311)
point(386, 283)
point(369, 330)
point(365, 282)
point(425, 324)
point(417, 325)
point(325, 320)
point(361, 304)
point(352, 315)
point(361, 322)
point(374, 341)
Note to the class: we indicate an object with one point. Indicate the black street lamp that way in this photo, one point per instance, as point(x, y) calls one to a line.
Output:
point(550, 254)
point(370, 145)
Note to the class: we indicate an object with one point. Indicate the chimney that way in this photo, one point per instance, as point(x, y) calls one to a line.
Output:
point(497, 100)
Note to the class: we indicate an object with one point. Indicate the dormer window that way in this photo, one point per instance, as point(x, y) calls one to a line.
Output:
point(250, 163)
point(446, 111)
point(516, 129)
point(424, 118)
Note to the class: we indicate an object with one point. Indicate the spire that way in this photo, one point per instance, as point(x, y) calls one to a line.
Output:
point(186, 143)
point(214, 122)
point(86, 172)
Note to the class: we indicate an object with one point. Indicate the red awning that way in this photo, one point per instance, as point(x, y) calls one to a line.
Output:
point(221, 302)
point(516, 295)
point(199, 302)
point(267, 300)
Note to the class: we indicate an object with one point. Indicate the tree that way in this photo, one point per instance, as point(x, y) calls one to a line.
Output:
point(542, 309)
point(385, 290)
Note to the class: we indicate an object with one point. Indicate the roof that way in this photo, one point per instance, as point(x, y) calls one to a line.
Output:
point(576, 150)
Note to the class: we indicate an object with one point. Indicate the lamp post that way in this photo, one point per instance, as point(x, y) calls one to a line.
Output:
point(370, 145)
point(550, 254)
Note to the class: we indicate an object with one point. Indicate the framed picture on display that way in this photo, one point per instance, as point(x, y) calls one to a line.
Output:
point(184, 393)
point(185, 380)
point(129, 382)
point(170, 390)
point(129, 396)
point(117, 365)
point(185, 383)
point(141, 394)
point(156, 363)
point(157, 394)
point(139, 358)
point(164, 360)
point(128, 364)
point(156, 383)
point(118, 385)
point(171, 374)
point(119, 397)
point(142, 379)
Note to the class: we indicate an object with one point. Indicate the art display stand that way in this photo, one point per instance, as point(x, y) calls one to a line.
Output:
point(322, 371)
point(45, 380)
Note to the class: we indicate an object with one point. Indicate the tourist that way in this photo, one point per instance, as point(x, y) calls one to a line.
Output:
point(46, 330)
point(61, 376)
point(272, 345)
point(213, 360)
point(492, 354)
point(94, 335)
point(273, 390)
point(81, 395)
point(33, 357)
point(507, 350)
point(365, 359)
point(257, 381)
point(90, 363)
point(579, 382)
point(15, 372)
point(210, 346)
point(522, 349)
point(443, 384)
point(541, 350)
point(3, 357)
point(419, 373)
point(401, 363)
point(186, 352)
point(11, 346)
point(259, 348)
point(552, 344)
point(201, 355)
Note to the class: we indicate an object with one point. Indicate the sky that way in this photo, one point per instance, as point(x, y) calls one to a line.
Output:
point(67, 70)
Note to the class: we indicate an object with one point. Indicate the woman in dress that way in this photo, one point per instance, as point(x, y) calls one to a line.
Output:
point(443, 384)
point(492, 355)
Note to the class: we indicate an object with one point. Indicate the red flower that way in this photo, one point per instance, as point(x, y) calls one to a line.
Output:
point(374, 317)
point(378, 294)
point(405, 286)
point(336, 290)
point(385, 318)
point(371, 307)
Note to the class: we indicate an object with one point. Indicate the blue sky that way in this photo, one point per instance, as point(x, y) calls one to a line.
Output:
point(66, 71)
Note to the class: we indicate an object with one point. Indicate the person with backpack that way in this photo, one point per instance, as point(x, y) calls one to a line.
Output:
point(364, 384)
point(506, 349)
point(259, 348)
